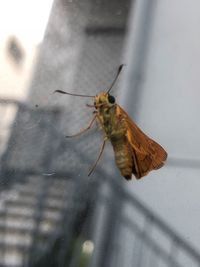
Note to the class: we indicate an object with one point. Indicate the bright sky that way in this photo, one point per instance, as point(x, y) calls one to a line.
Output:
point(25, 19)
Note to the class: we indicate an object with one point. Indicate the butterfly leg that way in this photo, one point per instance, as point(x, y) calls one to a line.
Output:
point(99, 156)
point(85, 129)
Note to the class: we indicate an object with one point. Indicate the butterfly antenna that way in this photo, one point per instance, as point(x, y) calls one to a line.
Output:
point(66, 93)
point(118, 72)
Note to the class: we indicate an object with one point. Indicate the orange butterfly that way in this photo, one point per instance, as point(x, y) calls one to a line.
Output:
point(135, 153)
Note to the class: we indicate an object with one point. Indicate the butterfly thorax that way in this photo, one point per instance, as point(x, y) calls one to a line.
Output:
point(107, 118)
point(112, 123)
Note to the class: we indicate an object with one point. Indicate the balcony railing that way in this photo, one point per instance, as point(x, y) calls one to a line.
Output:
point(55, 218)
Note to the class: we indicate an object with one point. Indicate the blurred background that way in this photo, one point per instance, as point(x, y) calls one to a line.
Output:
point(51, 212)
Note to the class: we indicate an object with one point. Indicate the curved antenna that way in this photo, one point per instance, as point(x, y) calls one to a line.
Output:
point(118, 72)
point(66, 93)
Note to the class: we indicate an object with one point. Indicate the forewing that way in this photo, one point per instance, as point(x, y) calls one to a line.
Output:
point(146, 153)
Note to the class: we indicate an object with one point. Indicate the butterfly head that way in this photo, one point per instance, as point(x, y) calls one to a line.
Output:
point(104, 99)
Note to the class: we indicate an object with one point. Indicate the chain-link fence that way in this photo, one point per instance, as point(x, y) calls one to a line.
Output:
point(51, 212)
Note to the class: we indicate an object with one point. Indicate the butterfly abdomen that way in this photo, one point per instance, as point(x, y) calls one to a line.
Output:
point(123, 156)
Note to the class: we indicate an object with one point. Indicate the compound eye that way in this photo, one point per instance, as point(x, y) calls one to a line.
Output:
point(111, 99)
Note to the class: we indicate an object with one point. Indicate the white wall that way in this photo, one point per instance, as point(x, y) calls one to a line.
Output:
point(168, 108)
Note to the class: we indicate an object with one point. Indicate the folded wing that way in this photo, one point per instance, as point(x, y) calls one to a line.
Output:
point(147, 155)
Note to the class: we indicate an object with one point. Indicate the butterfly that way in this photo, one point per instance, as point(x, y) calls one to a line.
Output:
point(135, 153)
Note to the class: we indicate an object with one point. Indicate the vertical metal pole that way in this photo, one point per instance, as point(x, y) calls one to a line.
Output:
point(104, 242)
point(136, 52)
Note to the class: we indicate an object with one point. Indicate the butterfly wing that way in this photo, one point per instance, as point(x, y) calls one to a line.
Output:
point(147, 155)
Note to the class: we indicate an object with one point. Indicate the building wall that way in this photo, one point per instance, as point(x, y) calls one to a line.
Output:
point(81, 52)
